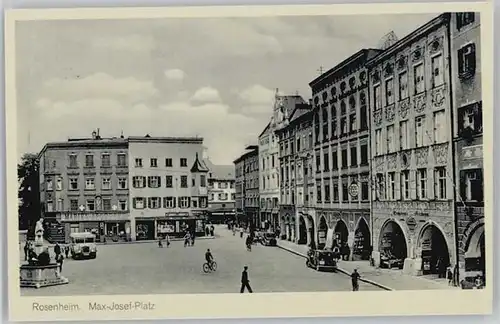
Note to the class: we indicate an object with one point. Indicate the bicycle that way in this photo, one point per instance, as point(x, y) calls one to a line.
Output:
point(209, 268)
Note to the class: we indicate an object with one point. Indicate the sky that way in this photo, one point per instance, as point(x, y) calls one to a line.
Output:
point(209, 77)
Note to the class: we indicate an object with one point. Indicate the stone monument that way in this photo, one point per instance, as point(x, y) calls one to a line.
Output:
point(40, 271)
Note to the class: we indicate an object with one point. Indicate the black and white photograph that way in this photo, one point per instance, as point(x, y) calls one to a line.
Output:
point(250, 155)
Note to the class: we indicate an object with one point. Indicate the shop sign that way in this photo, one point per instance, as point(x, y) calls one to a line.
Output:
point(177, 214)
point(92, 217)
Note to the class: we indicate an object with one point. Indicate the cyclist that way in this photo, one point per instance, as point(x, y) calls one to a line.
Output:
point(209, 257)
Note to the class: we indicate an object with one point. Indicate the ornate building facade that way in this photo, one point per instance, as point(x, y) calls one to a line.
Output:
point(468, 138)
point(221, 192)
point(411, 145)
point(342, 155)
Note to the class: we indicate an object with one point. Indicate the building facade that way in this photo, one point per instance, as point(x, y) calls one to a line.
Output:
point(341, 150)
point(247, 187)
point(221, 193)
point(269, 178)
point(296, 172)
point(411, 145)
point(168, 186)
point(468, 138)
point(84, 187)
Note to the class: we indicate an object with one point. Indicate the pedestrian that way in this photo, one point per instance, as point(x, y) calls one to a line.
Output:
point(207, 230)
point(57, 249)
point(59, 261)
point(192, 238)
point(187, 239)
point(26, 250)
point(167, 240)
point(245, 283)
point(354, 280)
point(241, 232)
point(212, 230)
point(449, 274)
point(160, 243)
point(66, 251)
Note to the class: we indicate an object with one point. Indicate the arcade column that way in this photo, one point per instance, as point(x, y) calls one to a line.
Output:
point(133, 232)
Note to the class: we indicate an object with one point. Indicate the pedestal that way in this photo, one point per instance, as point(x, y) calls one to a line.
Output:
point(34, 276)
point(376, 259)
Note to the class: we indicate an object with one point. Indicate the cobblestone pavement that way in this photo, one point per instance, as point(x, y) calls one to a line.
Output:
point(391, 279)
point(146, 269)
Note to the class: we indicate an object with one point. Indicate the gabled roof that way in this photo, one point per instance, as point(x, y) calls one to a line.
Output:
point(219, 172)
point(299, 111)
point(266, 129)
point(198, 166)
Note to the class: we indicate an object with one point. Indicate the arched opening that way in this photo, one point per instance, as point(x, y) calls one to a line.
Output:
point(392, 247)
point(475, 256)
point(312, 234)
point(293, 229)
point(302, 239)
point(288, 229)
point(362, 241)
point(341, 234)
point(322, 230)
point(435, 255)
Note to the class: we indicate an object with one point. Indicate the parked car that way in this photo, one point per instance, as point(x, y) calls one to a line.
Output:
point(83, 246)
point(269, 239)
point(321, 260)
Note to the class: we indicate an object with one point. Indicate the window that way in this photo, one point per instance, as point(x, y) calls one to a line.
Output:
point(380, 187)
point(122, 183)
point(122, 204)
point(105, 160)
point(60, 204)
point(298, 144)
point(437, 70)
point(203, 181)
point(467, 61)
point(391, 143)
point(378, 142)
point(223, 185)
point(139, 182)
point(318, 166)
point(154, 182)
point(470, 119)
point(405, 185)
point(352, 123)
point(440, 183)
point(422, 184)
point(335, 162)
point(345, 192)
point(343, 126)
point(326, 162)
point(224, 196)
point(73, 204)
point(354, 156)
point(90, 204)
point(154, 202)
point(420, 131)
point(344, 159)
point(377, 104)
point(403, 85)
point(364, 191)
point(419, 81)
point(184, 162)
point(335, 191)
point(391, 186)
point(168, 162)
point(327, 192)
point(233, 196)
point(363, 120)
point(364, 154)
point(89, 161)
point(389, 91)
point(106, 184)
point(464, 19)
point(318, 193)
point(50, 206)
point(153, 162)
point(59, 183)
point(73, 162)
point(138, 163)
point(122, 160)
point(471, 185)
point(73, 183)
point(272, 161)
point(89, 184)
point(169, 181)
point(138, 203)
point(440, 127)
point(404, 135)
point(184, 181)
point(184, 202)
point(169, 202)
point(106, 204)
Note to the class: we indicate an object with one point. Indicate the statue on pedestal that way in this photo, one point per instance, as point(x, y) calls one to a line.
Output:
point(39, 236)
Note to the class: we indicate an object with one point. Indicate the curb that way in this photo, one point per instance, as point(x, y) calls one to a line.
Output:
point(139, 242)
point(345, 272)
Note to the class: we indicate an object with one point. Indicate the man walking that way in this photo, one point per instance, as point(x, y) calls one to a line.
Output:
point(354, 280)
point(245, 283)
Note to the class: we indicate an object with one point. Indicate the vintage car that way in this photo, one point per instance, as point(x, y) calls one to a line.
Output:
point(83, 246)
point(269, 239)
point(321, 260)
point(257, 238)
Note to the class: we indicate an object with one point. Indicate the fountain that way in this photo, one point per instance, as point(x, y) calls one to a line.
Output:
point(40, 272)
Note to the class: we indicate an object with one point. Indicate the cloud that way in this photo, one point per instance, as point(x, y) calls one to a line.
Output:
point(175, 74)
point(99, 85)
point(206, 95)
point(130, 43)
point(257, 99)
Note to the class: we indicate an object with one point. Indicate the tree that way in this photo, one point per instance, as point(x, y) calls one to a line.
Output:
point(28, 175)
